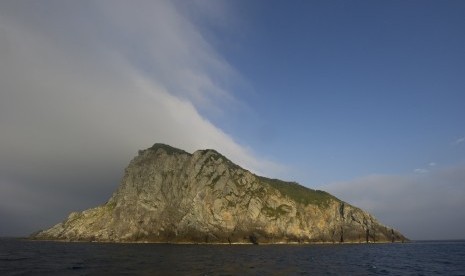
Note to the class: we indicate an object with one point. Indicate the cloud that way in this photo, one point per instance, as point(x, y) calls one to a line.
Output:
point(422, 206)
point(420, 171)
point(169, 49)
point(84, 86)
point(459, 141)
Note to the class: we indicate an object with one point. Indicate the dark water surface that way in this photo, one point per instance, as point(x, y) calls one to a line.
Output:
point(23, 257)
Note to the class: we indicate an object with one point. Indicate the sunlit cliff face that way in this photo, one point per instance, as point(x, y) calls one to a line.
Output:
point(169, 195)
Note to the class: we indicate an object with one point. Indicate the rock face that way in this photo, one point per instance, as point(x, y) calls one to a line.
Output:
point(169, 195)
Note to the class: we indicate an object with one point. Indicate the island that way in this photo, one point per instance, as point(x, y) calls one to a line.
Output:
point(168, 195)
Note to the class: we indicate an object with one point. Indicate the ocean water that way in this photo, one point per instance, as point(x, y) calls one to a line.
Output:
point(23, 257)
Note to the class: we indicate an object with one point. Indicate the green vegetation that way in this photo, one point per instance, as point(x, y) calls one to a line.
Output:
point(298, 192)
point(216, 155)
point(272, 212)
point(168, 149)
point(111, 205)
point(214, 180)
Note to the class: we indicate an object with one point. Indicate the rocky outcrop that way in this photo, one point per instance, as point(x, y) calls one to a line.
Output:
point(169, 195)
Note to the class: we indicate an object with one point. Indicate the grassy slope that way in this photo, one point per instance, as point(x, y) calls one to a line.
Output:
point(299, 193)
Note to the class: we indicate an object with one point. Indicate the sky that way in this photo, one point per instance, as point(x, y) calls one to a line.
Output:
point(363, 99)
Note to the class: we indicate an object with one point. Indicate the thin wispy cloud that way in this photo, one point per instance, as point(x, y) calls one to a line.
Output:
point(169, 49)
point(420, 171)
point(418, 205)
point(459, 141)
point(431, 165)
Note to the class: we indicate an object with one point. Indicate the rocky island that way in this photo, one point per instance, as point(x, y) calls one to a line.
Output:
point(169, 195)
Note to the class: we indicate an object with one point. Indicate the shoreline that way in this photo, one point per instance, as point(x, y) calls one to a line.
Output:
point(213, 243)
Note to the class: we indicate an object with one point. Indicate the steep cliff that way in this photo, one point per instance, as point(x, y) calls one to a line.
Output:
point(169, 195)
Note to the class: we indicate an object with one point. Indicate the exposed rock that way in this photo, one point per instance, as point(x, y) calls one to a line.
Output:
point(169, 195)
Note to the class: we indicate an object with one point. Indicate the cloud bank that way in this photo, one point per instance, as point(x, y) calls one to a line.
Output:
point(422, 206)
point(84, 85)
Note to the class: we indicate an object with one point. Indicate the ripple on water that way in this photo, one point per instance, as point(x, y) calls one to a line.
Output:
point(90, 258)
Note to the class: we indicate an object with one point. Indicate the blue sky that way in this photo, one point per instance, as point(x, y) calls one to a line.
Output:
point(350, 89)
point(364, 99)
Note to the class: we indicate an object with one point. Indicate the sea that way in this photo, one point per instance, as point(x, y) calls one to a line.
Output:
point(25, 257)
